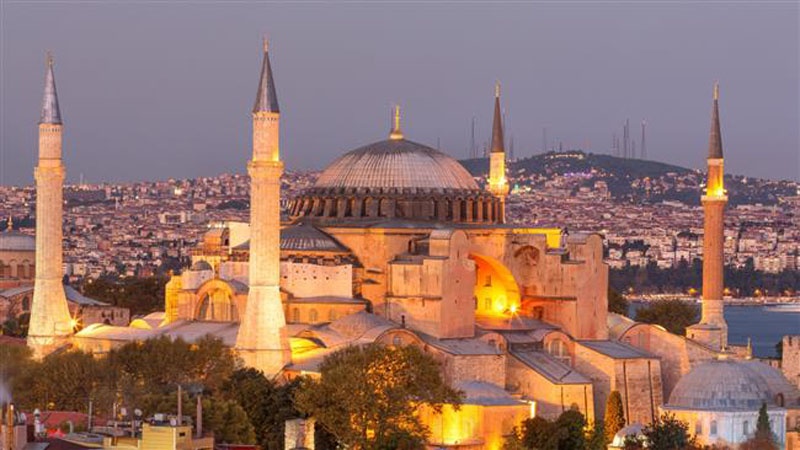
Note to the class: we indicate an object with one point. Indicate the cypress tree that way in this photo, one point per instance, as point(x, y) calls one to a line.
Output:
point(615, 415)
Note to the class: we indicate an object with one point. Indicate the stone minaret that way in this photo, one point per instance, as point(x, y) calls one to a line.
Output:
point(712, 329)
point(50, 320)
point(262, 341)
point(498, 185)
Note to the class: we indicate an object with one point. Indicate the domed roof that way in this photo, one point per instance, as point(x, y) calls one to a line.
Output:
point(396, 163)
point(721, 385)
point(201, 265)
point(17, 242)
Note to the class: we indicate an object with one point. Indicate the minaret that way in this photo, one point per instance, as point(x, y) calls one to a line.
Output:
point(712, 329)
point(262, 341)
point(50, 319)
point(498, 185)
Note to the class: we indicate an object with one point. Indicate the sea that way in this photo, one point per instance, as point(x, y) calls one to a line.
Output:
point(763, 327)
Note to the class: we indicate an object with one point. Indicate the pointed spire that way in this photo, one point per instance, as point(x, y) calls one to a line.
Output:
point(396, 133)
point(498, 143)
point(715, 138)
point(50, 111)
point(266, 99)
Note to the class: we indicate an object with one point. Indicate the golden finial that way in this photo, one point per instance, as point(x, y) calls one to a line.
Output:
point(10, 223)
point(716, 90)
point(265, 43)
point(396, 133)
point(49, 58)
point(497, 89)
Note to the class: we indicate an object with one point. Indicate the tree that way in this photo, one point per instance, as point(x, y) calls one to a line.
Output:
point(763, 438)
point(567, 432)
point(368, 396)
point(539, 433)
point(615, 415)
point(666, 433)
point(228, 420)
point(673, 315)
point(570, 425)
point(267, 404)
point(617, 303)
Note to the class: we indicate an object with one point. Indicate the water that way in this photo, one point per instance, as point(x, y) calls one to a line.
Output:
point(764, 328)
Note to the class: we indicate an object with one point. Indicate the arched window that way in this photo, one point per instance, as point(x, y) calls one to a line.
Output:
point(558, 349)
point(312, 316)
point(779, 400)
point(296, 315)
point(698, 428)
point(713, 428)
point(746, 428)
point(397, 341)
point(26, 304)
point(332, 315)
point(21, 271)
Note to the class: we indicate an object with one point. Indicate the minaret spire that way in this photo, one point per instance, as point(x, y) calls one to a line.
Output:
point(266, 98)
point(51, 113)
point(50, 321)
point(498, 185)
point(715, 137)
point(498, 142)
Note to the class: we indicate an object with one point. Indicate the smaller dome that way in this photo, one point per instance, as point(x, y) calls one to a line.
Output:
point(721, 385)
point(14, 241)
point(304, 237)
point(201, 265)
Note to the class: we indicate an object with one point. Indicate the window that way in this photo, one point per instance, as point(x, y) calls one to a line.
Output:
point(332, 315)
point(26, 304)
point(713, 430)
point(312, 315)
point(397, 341)
point(746, 428)
point(488, 280)
point(295, 315)
point(698, 428)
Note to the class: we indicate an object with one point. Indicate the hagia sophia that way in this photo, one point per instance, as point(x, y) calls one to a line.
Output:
point(396, 243)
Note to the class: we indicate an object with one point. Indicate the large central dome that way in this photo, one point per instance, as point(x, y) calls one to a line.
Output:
point(396, 179)
point(396, 163)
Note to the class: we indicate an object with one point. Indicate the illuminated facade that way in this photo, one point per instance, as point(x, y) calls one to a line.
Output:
point(397, 244)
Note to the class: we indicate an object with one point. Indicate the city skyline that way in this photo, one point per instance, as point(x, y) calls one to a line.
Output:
point(637, 66)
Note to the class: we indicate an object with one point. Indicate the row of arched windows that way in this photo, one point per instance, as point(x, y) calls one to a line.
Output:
point(477, 209)
point(24, 270)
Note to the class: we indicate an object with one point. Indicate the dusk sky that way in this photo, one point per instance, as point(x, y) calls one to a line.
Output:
point(155, 90)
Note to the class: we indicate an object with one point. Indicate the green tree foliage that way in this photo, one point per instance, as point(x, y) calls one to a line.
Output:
point(617, 303)
point(228, 421)
point(140, 295)
point(615, 415)
point(267, 404)
point(666, 433)
point(64, 380)
point(368, 397)
point(567, 432)
point(763, 439)
point(673, 315)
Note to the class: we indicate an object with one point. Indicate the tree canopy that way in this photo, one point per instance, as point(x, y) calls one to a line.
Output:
point(615, 415)
point(368, 396)
point(674, 315)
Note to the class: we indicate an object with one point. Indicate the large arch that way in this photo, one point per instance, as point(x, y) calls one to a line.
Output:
point(216, 302)
point(496, 290)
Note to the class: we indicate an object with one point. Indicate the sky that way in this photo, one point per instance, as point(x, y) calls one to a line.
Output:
point(151, 90)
